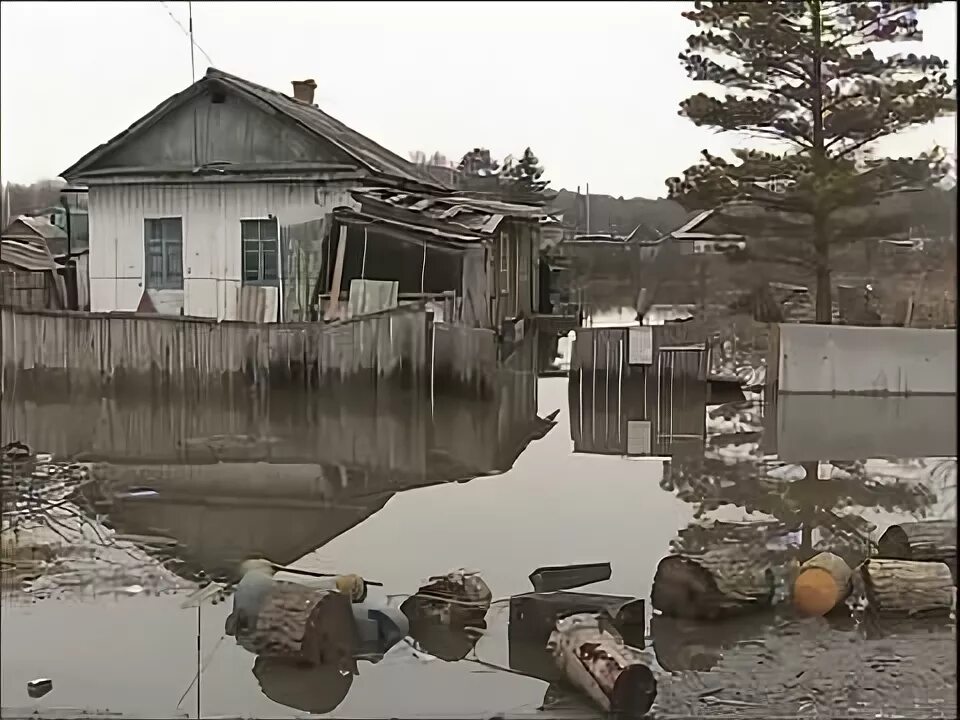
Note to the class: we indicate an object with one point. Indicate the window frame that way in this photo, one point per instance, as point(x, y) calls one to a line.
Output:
point(165, 282)
point(260, 281)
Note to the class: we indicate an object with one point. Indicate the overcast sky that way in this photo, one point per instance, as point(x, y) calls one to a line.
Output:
point(592, 87)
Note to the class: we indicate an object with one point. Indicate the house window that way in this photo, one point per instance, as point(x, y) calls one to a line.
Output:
point(163, 253)
point(261, 249)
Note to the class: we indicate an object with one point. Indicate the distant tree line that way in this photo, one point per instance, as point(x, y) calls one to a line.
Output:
point(19, 199)
point(518, 178)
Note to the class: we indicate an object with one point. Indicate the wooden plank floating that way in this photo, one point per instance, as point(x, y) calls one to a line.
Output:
point(934, 540)
point(566, 577)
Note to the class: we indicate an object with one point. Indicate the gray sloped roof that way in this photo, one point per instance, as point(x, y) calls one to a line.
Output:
point(370, 154)
point(367, 153)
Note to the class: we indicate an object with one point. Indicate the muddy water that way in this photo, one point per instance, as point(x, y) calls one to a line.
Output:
point(402, 519)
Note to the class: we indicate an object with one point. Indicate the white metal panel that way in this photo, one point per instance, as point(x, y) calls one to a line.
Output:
point(211, 235)
point(638, 437)
point(866, 360)
point(640, 347)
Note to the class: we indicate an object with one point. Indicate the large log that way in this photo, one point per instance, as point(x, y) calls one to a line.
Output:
point(925, 540)
point(534, 616)
point(303, 625)
point(447, 615)
point(823, 583)
point(908, 587)
point(594, 660)
point(719, 583)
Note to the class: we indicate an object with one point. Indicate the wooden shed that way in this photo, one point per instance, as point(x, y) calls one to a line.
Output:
point(477, 257)
point(29, 276)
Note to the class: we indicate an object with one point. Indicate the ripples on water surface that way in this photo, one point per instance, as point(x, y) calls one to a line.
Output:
point(367, 486)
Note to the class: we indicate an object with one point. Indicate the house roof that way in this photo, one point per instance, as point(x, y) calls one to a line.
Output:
point(31, 228)
point(478, 216)
point(698, 226)
point(26, 255)
point(368, 154)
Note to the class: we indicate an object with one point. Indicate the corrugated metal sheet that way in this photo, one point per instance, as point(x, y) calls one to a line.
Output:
point(26, 255)
point(211, 216)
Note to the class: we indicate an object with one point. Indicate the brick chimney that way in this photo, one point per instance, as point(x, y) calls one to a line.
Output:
point(303, 90)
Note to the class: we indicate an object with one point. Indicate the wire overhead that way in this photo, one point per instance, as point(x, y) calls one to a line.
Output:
point(187, 33)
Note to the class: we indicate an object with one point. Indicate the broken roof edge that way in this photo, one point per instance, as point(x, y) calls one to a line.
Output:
point(430, 235)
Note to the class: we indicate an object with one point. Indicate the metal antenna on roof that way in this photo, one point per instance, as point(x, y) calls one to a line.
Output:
point(193, 67)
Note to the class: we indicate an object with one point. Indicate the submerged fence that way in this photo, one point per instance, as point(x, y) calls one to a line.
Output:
point(129, 349)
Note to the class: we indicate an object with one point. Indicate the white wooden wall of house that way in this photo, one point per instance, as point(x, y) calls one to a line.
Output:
point(211, 215)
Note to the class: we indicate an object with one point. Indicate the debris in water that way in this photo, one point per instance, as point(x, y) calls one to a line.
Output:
point(39, 687)
point(567, 577)
point(133, 589)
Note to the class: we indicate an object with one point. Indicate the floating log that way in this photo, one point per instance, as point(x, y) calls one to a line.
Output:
point(908, 587)
point(567, 577)
point(534, 616)
point(596, 662)
point(719, 583)
point(926, 540)
point(303, 625)
point(447, 615)
point(823, 583)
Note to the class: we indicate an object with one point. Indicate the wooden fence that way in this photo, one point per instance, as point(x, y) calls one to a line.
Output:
point(403, 346)
point(97, 349)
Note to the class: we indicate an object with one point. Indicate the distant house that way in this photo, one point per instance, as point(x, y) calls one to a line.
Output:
point(217, 200)
point(73, 220)
point(477, 258)
point(29, 276)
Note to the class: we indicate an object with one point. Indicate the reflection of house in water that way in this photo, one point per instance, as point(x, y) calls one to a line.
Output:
point(239, 478)
point(632, 393)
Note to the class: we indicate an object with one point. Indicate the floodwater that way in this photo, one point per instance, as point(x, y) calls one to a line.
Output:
point(397, 492)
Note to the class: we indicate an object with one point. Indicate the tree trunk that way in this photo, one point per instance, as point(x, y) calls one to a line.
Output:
point(908, 588)
point(304, 625)
point(823, 583)
point(824, 307)
point(934, 540)
point(717, 584)
point(602, 667)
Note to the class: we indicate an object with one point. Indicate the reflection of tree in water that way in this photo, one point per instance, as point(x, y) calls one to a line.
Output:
point(799, 504)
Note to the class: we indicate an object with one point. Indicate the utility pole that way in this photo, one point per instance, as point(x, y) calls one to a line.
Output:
point(588, 208)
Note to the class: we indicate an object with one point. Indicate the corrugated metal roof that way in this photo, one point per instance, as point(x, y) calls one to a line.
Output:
point(481, 216)
point(31, 228)
point(26, 255)
point(429, 234)
point(370, 155)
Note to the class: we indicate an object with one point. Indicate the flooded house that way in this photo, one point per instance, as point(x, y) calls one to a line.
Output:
point(214, 203)
point(475, 260)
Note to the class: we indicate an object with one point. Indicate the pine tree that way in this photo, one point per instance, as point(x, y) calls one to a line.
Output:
point(804, 75)
point(524, 175)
